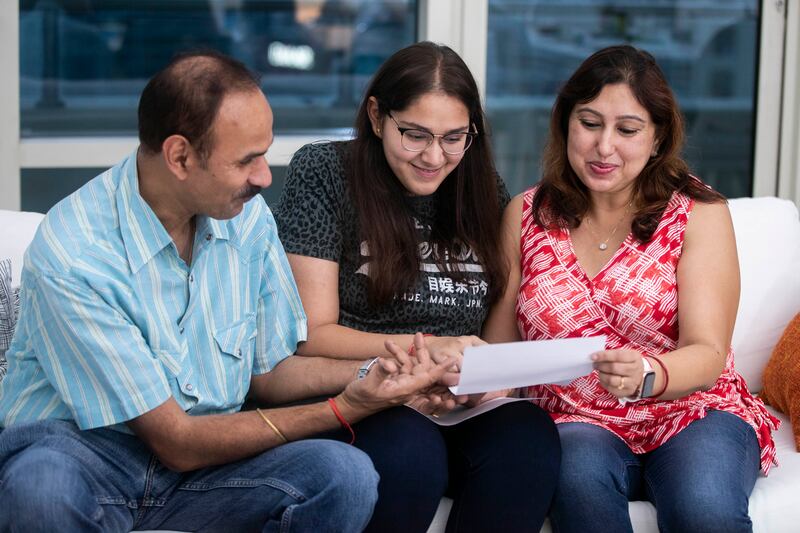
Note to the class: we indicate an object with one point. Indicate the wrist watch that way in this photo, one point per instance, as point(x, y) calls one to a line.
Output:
point(648, 380)
point(366, 367)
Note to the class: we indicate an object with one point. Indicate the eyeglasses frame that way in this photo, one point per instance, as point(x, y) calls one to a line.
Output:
point(402, 130)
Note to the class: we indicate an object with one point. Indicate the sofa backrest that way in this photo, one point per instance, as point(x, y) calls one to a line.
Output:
point(768, 241)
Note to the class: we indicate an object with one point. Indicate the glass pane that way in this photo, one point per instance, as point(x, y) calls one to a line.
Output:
point(42, 188)
point(83, 63)
point(708, 51)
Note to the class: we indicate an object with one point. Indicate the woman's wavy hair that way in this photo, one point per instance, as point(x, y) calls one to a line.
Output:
point(562, 200)
point(468, 210)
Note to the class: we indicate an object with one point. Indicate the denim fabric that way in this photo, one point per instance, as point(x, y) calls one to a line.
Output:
point(500, 468)
point(54, 477)
point(700, 480)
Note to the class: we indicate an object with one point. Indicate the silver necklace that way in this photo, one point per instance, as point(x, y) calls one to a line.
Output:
point(603, 245)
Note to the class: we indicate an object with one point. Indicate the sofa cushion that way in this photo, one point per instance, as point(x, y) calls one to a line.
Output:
point(17, 229)
point(16, 232)
point(782, 377)
point(768, 241)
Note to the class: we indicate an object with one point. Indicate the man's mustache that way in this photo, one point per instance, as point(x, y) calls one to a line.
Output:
point(249, 192)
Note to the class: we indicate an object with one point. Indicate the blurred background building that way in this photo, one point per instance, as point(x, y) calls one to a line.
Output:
point(73, 71)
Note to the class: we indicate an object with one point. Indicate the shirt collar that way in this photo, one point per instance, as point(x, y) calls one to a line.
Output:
point(219, 229)
point(143, 234)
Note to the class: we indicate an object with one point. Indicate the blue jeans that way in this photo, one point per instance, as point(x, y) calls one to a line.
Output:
point(500, 468)
point(700, 480)
point(54, 477)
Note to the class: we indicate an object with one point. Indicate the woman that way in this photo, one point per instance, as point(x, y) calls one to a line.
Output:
point(619, 239)
point(396, 232)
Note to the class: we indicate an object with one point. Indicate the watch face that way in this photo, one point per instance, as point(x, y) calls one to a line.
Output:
point(647, 384)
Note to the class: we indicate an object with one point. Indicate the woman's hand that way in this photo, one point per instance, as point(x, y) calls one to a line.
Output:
point(436, 400)
point(620, 371)
point(441, 348)
point(397, 380)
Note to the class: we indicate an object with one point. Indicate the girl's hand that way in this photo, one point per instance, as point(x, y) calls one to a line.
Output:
point(441, 348)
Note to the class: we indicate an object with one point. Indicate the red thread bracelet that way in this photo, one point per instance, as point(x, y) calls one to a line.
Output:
point(666, 375)
point(345, 424)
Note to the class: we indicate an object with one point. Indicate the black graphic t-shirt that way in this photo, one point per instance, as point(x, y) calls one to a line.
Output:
point(316, 218)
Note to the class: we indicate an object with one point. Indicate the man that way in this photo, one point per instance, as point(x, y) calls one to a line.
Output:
point(154, 299)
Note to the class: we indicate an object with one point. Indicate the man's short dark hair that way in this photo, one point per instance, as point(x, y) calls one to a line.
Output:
point(185, 96)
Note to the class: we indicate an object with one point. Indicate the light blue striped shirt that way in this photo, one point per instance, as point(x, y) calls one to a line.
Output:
point(113, 322)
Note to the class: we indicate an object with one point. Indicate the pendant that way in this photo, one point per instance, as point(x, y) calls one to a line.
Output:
point(603, 246)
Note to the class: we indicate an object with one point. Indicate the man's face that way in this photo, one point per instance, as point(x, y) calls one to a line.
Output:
point(235, 170)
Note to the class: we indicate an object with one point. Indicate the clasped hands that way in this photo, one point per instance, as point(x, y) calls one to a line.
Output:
point(421, 377)
point(404, 379)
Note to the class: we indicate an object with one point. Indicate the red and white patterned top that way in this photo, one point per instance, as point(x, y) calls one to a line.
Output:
point(633, 301)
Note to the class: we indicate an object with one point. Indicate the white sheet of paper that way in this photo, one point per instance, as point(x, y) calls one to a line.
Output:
point(519, 364)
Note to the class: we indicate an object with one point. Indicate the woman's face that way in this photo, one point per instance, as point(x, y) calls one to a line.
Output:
point(610, 140)
point(421, 173)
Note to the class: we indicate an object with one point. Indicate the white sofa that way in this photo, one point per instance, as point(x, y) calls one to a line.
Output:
point(768, 240)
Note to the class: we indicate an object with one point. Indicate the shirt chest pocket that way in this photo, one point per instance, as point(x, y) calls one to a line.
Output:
point(238, 339)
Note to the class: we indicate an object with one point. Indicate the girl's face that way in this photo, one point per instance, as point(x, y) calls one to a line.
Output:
point(421, 173)
point(610, 140)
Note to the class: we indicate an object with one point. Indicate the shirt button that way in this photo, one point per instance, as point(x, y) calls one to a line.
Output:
point(208, 237)
point(189, 386)
point(239, 352)
point(191, 278)
point(180, 331)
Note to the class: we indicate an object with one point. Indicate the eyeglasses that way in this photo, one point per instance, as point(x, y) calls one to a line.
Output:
point(415, 140)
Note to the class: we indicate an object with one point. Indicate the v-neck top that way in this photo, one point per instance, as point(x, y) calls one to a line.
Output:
point(633, 301)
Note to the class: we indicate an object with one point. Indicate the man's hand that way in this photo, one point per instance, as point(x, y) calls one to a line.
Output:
point(395, 381)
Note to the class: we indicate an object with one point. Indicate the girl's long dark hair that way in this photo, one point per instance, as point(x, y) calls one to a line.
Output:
point(468, 209)
point(562, 199)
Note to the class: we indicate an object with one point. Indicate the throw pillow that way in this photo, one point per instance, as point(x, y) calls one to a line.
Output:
point(782, 377)
point(9, 302)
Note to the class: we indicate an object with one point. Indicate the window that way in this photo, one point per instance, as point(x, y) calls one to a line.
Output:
point(84, 64)
point(708, 51)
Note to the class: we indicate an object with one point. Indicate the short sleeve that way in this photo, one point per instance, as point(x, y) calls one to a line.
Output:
point(310, 208)
point(503, 197)
point(281, 321)
point(92, 354)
